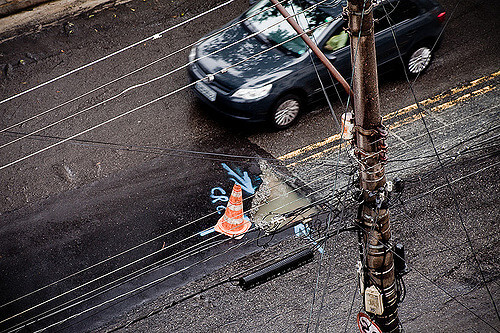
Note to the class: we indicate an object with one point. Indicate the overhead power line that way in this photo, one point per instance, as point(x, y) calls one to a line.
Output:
point(154, 100)
point(153, 37)
point(450, 188)
point(145, 286)
point(137, 260)
point(454, 181)
point(124, 91)
point(133, 72)
point(316, 286)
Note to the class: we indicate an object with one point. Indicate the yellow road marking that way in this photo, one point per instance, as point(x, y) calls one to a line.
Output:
point(406, 121)
point(310, 147)
point(400, 112)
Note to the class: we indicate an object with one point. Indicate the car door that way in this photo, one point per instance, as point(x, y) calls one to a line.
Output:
point(336, 48)
point(403, 15)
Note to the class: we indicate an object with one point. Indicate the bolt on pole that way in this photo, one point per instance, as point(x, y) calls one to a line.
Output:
point(378, 274)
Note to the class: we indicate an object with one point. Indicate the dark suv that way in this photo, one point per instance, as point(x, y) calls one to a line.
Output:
point(276, 83)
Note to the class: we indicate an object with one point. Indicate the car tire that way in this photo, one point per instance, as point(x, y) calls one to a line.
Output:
point(419, 60)
point(285, 112)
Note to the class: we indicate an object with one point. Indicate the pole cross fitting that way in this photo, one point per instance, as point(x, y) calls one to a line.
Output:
point(365, 132)
point(366, 27)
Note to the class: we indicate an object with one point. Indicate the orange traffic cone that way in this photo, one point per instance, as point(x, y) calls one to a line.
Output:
point(232, 223)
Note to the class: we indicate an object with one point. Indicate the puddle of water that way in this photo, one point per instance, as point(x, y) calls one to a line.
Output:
point(275, 198)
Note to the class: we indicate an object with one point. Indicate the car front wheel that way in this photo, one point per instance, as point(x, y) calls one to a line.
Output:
point(285, 112)
point(419, 60)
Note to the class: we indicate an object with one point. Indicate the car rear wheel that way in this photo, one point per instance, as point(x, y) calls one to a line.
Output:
point(285, 111)
point(419, 60)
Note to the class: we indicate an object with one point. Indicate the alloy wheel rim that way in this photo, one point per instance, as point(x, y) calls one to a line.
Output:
point(287, 112)
point(419, 60)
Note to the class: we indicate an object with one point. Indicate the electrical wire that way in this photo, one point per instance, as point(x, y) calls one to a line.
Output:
point(231, 279)
point(120, 283)
point(450, 296)
point(319, 78)
point(450, 188)
point(149, 241)
point(453, 181)
point(135, 70)
point(447, 293)
point(98, 278)
point(455, 146)
point(450, 158)
point(139, 85)
point(156, 150)
point(195, 249)
point(469, 150)
point(481, 237)
point(478, 146)
point(52, 313)
point(352, 304)
point(153, 37)
point(131, 88)
point(221, 71)
point(342, 215)
point(145, 286)
point(335, 182)
point(129, 264)
point(172, 304)
point(328, 162)
point(149, 285)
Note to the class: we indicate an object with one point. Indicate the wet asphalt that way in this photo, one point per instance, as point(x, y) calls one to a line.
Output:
point(136, 179)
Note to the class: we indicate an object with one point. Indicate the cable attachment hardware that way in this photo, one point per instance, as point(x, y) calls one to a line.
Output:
point(345, 13)
point(365, 132)
point(400, 265)
point(382, 146)
point(347, 125)
point(361, 13)
point(380, 199)
point(378, 136)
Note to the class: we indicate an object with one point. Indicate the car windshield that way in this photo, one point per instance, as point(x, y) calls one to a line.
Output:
point(266, 18)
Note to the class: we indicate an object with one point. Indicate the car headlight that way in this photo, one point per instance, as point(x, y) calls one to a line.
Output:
point(253, 93)
point(192, 54)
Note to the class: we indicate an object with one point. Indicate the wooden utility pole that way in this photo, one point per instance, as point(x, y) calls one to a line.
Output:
point(378, 285)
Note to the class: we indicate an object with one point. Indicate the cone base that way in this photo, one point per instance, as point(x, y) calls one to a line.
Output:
point(239, 229)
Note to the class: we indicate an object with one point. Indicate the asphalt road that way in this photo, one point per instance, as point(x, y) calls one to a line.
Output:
point(81, 202)
point(179, 122)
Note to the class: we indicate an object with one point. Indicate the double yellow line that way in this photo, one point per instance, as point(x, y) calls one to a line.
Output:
point(399, 113)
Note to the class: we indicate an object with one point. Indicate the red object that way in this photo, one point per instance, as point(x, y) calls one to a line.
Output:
point(232, 223)
point(366, 325)
point(441, 17)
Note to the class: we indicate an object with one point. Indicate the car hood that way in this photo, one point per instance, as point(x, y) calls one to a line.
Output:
point(223, 50)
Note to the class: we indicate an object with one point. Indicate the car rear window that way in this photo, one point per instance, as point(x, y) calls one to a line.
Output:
point(264, 17)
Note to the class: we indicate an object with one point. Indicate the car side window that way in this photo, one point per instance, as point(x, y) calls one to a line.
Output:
point(338, 39)
point(394, 12)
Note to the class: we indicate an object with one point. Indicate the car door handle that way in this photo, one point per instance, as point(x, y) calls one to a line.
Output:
point(331, 58)
point(411, 33)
